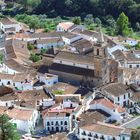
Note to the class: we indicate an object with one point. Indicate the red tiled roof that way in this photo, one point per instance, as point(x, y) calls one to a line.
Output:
point(108, 104)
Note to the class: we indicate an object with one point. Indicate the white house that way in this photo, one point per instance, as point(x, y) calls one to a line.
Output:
point(71, 38)
point(117, 47)
point(48, 79)
point(48, 43)
point(118, 93)
point(22, 81)
point(127, 59)
point(57, 120)
point(24, 119)
point(116, 111)
point(97, 130)
point(10, 26)
point(64, 26)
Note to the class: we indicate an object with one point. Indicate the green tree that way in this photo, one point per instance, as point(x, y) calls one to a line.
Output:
point(1, 57)
point(123, 25)
point(98, 21)
point(88, 19)
point(7, 129)
point(77, 20)
point(135, 135)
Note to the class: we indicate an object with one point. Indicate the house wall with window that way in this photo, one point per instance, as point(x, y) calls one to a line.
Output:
point(83, 134)
point(57, 123)
point(90, 135)
point(123, 100)
point(49, 45)
point(49, 79)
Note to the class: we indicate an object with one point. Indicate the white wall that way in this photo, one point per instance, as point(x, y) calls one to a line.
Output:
point(7, 70)
point(49, 45)
point(49, 81)
point(87, 66)
point(16, 26)
point(57, 119)
point(69, 41)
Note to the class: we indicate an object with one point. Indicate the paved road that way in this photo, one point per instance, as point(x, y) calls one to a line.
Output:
point(134, 123)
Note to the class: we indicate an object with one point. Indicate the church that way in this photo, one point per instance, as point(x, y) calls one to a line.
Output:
point(83, 69)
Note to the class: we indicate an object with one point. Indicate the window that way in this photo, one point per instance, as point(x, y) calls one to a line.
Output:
point(128, 95)
point(61, 128)
point(96, 136)
point(97, 51)
point(137, 66)
point(84, 133)
point(48, 129)
point(13, 84)
point(61, 122)
point(118, 98)
point(48, 123)
point(56, 123)
point(52, 123)
point(65, 123)
point(8, 83)
point(130, 66)
point(123, 138)
point(124, 96)
point(104, 51)
point(61, 62)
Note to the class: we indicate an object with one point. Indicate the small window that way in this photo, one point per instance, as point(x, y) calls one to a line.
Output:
point(97, 51)
point(124, 96)
point(52, 123)
point(137, 66)
point(65, 123)
point(130, 66)
point(118, 98)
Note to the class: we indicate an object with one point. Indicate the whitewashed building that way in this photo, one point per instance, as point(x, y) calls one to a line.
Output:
point(8, 25)
point(117, 112)
point(24, 119)
point(97, 130)
point(118, 93)
point(48, 79)
point(64, 26)
point(71, 38)
point(49, 43)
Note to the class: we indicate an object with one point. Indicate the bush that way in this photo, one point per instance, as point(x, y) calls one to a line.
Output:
point(35, 58)
point(59, 92)
point(30, 47)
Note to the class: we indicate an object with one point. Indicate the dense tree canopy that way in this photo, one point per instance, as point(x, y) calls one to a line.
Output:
point(98, 8)
point(7, 130)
